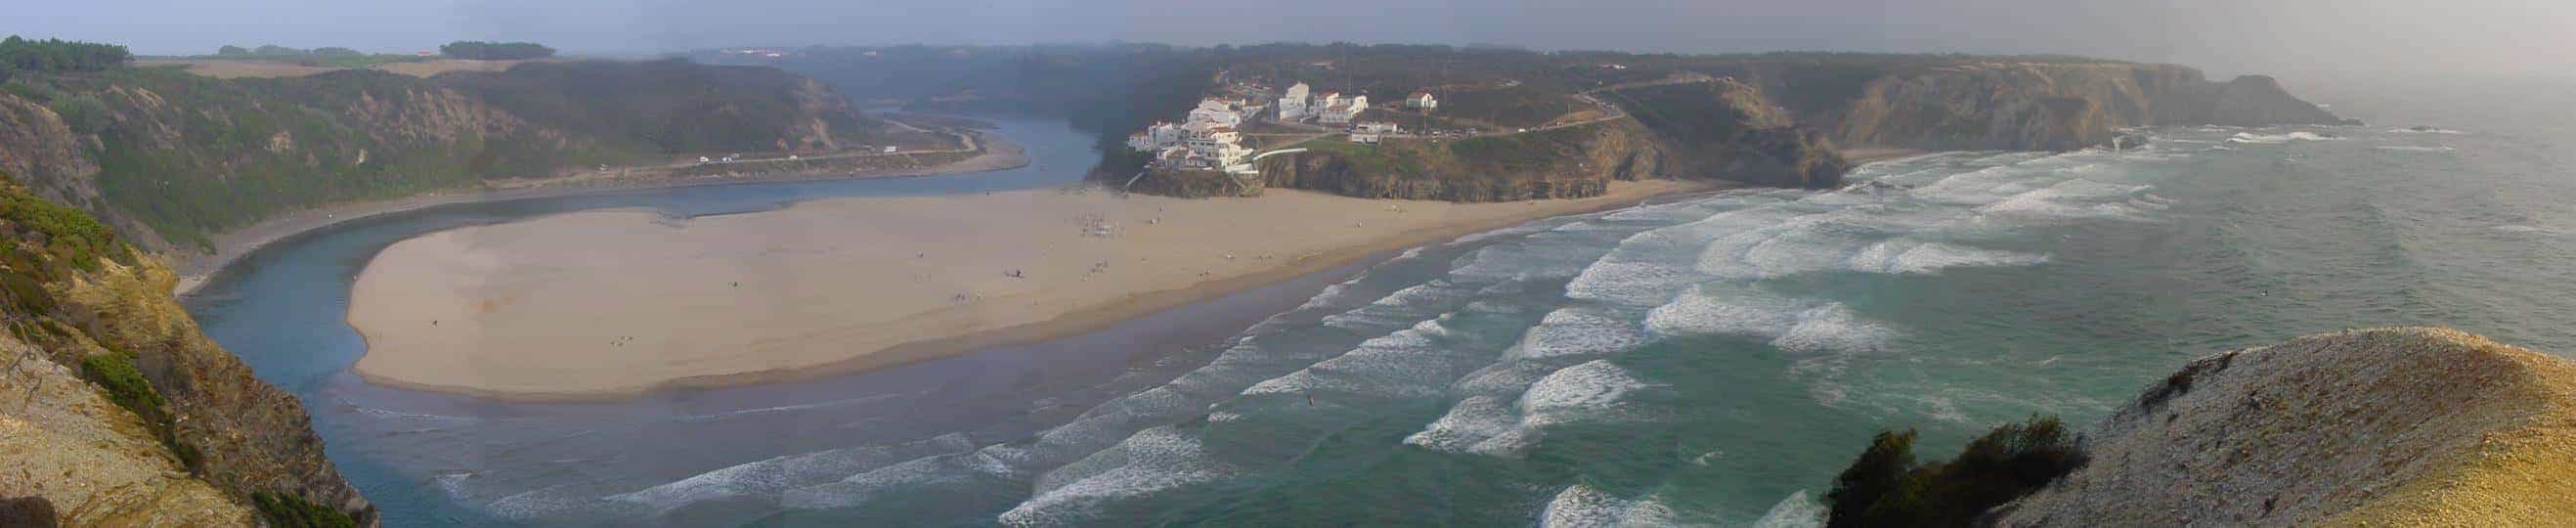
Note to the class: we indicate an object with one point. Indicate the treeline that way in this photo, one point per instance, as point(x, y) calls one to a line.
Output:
point(1885, 487)
point(276, 51)
point(479, 50)
point(56, 55)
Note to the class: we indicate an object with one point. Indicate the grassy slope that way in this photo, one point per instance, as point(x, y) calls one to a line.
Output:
point(77, 292)
point(187, 155)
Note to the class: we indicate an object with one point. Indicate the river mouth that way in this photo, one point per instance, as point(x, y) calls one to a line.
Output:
point(283, 308)
point(1709, 360)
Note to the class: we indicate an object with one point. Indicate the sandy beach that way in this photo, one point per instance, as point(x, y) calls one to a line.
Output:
point(609, 304)
point(996, 153)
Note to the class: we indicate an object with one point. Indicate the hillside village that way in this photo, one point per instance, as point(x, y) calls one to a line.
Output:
point(1211, 138)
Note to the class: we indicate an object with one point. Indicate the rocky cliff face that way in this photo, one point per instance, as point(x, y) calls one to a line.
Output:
point(2391, 427)
point(2050, 106)
point(1725, 129)
point(1571, 162)
point(133, 415)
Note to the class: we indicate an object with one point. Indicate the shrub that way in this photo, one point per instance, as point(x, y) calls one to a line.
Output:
point(286, 510)
point(115, 373)
point(1884, 487)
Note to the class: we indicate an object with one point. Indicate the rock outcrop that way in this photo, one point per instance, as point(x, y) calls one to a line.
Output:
point(2049, 106)
point(1571, 162)
point(2389, 427)
point(119, 411)
point(1725, 129)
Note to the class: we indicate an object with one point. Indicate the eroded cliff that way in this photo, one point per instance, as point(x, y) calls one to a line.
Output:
point(130, 413)
point(1570, 162)
point(1725, 129)
point(2388, 427)
point(2045, 106)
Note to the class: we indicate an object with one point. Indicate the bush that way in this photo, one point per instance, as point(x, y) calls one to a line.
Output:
point(115, 373)
point(1884, 487)
point(285, 510)
point(70, 235)
point(468, 49)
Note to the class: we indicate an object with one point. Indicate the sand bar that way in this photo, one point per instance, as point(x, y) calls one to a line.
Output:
point(993, 153)
point(610, 304)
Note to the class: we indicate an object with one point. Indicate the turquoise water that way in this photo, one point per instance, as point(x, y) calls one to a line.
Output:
point(1704, 360)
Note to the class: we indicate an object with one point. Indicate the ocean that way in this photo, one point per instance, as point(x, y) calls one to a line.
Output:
point(1702, 360)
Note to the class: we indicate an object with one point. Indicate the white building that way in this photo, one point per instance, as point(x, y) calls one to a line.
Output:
point(1379, 127)
point(1156, 138)
point(1422, 100)
point(1341, 113)
point(1292, 106)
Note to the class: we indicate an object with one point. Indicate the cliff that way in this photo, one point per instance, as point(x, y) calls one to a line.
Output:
point(1775, 119)
point(1725, 129)
point(1569, 162)
point(2038, 106)
point(121, 412)
point(2408, 426)
point(169, 157)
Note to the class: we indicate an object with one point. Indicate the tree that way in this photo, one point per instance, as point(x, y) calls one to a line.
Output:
point(231, 50)
point(479, 50)
point(1884, 487)
point(276, 50)
point(1872, 490)
point(336, 52)
point(55, 55)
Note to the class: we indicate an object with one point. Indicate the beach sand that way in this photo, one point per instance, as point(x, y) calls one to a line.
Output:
point(611, 304)
point(196, 268)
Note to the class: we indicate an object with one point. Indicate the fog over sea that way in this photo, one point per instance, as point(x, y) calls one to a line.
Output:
point(1703, 360)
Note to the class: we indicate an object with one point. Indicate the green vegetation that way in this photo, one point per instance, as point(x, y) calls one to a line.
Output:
point(478, 50)
point(285, 510)
point(189, 155)
point(668, 106)
point(201, 154)
point(335, 57)
point(1885, 487)
point(56, 55)
point(114, 373)
point(70, 236)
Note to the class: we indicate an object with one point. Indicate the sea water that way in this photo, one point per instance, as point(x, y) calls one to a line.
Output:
point(1700, 360)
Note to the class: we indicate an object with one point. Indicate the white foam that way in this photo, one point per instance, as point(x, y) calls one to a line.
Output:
point(2425, 131)
point(1746, 313)
point(1796, 511)
point(2414, 148)
point(1903, 256)
point(1577, 331)
point(1494, 423)
point(1582, 506)
point(2276, 139)
point(1157, 459)
point(2069, 199)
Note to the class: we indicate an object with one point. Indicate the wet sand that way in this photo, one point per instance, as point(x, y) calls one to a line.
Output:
point(610, 304)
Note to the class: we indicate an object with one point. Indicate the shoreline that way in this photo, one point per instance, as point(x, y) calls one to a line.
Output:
point(1085, 318)
point(195, 269)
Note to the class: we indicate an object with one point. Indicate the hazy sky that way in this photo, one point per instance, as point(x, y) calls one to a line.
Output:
point(2283, 36)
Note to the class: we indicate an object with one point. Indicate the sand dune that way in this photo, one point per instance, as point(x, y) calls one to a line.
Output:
point(607, 304)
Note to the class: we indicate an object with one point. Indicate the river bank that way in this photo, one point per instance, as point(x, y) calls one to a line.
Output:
point(993, 153)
